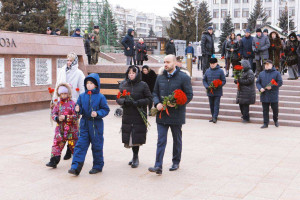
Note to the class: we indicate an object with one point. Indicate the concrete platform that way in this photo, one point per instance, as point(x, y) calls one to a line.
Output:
point(223, 161)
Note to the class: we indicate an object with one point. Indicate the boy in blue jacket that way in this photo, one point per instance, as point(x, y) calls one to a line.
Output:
point(92, 105)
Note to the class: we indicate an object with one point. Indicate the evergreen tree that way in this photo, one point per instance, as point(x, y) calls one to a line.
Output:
point(183, 24)
point(257, 13)
point(227, 29)
point(31, 16)
point(283, 21)
point(108, 27)
point(151, 33)
point(91, 27)
point(204, 18)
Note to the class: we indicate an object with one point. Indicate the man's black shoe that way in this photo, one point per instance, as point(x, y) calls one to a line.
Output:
point(211, 120)
point(95, 171)
point(276, 124)
point(73, 171)
point(157, 170)
point(174, 167)
point(246, 121)
point(214, 120)
point(264, 126)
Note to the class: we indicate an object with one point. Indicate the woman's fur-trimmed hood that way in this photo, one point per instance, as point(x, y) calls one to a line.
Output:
point(67, 86)
point(162, 69)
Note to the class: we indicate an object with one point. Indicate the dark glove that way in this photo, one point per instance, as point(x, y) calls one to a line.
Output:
point(135, 103)
point(128, 102)
point(235, 81)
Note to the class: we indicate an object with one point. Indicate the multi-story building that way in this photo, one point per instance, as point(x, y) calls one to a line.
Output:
point(241, 9)
point(141, 22)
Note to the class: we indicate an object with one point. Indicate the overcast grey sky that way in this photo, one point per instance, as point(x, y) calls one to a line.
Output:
point(159, 7)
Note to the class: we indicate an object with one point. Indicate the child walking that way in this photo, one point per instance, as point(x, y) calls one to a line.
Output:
point(66, 117)
point(92, 105)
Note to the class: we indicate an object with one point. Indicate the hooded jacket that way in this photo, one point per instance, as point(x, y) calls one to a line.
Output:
point(207, 44)
point(291, 50)
point(275, 48)
point(128, 41)
point(132, 122)
point(246, 94)
point(264, 78)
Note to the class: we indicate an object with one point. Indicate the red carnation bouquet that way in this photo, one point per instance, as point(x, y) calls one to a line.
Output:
point(237, 72)
point(51, 91)
point(176, 99)
point(214, 85)
point(126, 95)
point(273, 82)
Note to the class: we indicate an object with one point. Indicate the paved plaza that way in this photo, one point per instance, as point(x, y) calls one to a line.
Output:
point(223, 161)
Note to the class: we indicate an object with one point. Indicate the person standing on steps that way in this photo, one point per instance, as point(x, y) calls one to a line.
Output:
point(171, 79)
point(246, 94)
point(232, 48)
point(291, 56)
point(246, 48)
point(141, 52)
point(95, 45)
point(134, 130)
point(214, 73)
point(129, 48)
point(269, 94)
point(207, 47)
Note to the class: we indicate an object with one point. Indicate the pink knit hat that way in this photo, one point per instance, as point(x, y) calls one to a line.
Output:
point(62, 89)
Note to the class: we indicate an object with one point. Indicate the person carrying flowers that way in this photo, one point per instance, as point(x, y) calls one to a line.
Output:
point(232, 48)
point(66, 130)
point(290, 51)
point(134, 97)
point(170, 115)
point(213, 81)
point(268, 84)
point(246, 94)
point(92, 105)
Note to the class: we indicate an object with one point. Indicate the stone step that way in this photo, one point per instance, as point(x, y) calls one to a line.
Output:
point(254, 107)
point(238, 119)
point(233, 101)
point(234, 88)
point(233, 95)
point(237, 113)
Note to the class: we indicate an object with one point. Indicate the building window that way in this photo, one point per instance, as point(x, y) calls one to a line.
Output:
point(216, 26)
point(223, 13)
point(245, 1)
point(237, 13)
point(224, 1)
point(244, 25)
point(268, 0)
point(215, 13)
point(269, 11)
point(237, 1)
point(237, 26)
point(246, 12)
point(292, 12)
point(216, 1)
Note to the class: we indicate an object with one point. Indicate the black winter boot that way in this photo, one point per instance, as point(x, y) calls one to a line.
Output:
point(135, 161)
point(76, 171)
point(68, 153)
point(53, 162)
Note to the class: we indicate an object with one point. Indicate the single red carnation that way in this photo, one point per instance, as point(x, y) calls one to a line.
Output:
point(124, 93)
point(257, 43)
point(119, 95)
point(89, 92)
point(232, 42)
point(249, 53)
point(55, 100)
point(238, 67)
point(292, 49)
point(128, 93)
point(77, 89)
point(273, 82)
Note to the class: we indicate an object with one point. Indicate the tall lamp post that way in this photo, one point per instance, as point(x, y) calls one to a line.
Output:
point(69, 17)
point(196, 2)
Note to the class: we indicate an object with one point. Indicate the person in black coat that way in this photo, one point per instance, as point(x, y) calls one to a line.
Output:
point(128, 43)
point(133, 128)
point(87, 47)
point(207, 47)
point(171, 79)
point(170, 48)
point(149, 76)
point(246, 91)
point(214, 73)
point(232, 49)
point(141, 50)
point(269, 95)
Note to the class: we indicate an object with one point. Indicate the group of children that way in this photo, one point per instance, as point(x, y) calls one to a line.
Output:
point(93, 107)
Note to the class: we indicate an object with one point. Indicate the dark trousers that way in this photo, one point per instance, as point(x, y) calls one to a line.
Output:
point(259, 67)
point(199, 66)
point(245, 111)
point(89, 59)
point(162, 142)
point(214, 103)
point(275, 109)
point(140, 62)
point(228, 63)
point(205, 62)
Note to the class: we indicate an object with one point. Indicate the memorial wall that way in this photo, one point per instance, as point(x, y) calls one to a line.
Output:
point(28, 66)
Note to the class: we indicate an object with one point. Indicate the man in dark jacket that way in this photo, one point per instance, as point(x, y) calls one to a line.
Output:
point(76, 33)
point(57, 31)
point(260, 46)
point(95, 45)
point(189, 49)
point(246, 90)
point(87, 47)
point(170, 48)
point(246, 48)
point(207, 46)
point(269, 94)
point(171, 79)
point(214, 73)
point(149, 76)
point(129, 51)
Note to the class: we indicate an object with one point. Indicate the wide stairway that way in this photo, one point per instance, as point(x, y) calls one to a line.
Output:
point(289, 104)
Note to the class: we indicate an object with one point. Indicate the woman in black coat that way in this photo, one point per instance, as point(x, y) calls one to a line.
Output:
point(133, 127)
point(232, 49)
point(141, 51)
point(149, 77)
point(246, 94)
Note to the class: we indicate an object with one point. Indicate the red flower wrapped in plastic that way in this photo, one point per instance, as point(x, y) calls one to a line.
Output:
point(77, 89)
point(257, 43)
point(239, 54)
point(89, 92)
point(214, 85)
point(119, 95)
point(180, 97)
point(292, 49)
point(273, 82)
point(273, 45)
point(124, 93)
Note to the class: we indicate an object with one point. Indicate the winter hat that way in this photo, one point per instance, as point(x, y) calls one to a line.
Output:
point(266, 30)
point(96, 27)
point(239, 35)
point(247, 30)
point(268, 61)
point(145, 67)
point(213, 60)
point(92, 80)
point(210, 28)
point(258, 30)
point(77, 29)
point(56, 30)
point(63, 89)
